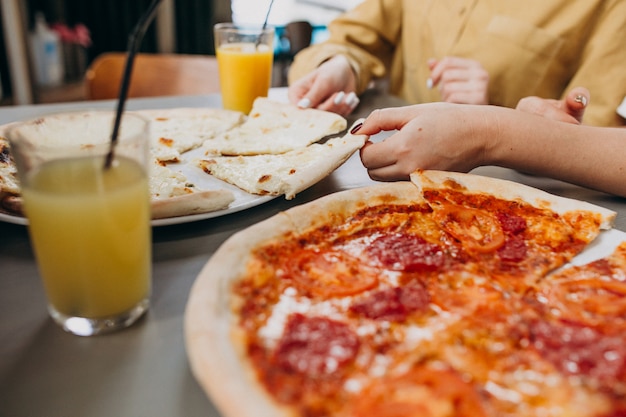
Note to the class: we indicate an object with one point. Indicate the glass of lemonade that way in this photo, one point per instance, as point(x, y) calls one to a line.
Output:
point(245, 55)
point(89, 224)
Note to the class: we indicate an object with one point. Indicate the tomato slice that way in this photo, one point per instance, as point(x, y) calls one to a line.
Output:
point(330, 273)
point(477, 230)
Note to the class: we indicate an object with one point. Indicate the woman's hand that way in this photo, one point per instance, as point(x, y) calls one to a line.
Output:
point(459, 80)
point(330, 87)
point(430, 136)
point(569, 110)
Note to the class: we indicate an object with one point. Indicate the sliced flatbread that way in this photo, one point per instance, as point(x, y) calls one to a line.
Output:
point(175, 131)
point(274, 128)
point(287, 173)
point(171, 195)
point(9, 185)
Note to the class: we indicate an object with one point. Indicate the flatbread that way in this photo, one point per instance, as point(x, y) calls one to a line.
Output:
point(175, 131)
point(274, 128)
point(287, 173)
point(176, 135)
point(171, 195)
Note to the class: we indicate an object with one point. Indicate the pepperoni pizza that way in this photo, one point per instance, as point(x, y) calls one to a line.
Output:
point(451, 295)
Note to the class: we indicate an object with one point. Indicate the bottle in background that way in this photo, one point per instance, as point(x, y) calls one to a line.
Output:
point(46, 54)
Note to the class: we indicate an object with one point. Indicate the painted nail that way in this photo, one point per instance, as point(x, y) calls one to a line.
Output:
point(305, 103)
point(351, 99)
point(429, 83)
point(356, 128)
point(581, 99)
point(339, 97)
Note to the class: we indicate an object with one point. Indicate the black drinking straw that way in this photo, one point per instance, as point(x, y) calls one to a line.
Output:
point(134, 40)
point(267, 16)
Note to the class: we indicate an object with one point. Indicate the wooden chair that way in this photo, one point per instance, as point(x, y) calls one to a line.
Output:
point(153, 75)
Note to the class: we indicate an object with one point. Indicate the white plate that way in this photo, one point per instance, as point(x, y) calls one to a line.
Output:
point(243, 200)
point(201, 180)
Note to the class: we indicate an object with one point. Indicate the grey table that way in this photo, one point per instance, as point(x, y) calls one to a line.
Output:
point(143, 370)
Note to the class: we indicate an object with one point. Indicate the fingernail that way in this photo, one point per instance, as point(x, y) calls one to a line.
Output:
point(429, 83)
point(351, 99)
point(305, 103)
point(356, 128)
point(339, 97)
point(581, 99)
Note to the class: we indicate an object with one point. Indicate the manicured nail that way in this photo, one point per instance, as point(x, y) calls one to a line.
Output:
point(351, 99)
point(305, 103)
point(356, 128)
point(429, 83)
point(581, 99)
point(340, 95)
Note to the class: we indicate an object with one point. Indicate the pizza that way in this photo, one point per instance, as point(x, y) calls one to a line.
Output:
point(447, 295)
point(176, 139)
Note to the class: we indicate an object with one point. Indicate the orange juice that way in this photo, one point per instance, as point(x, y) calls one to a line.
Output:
point(245, 74)
point(90, 229)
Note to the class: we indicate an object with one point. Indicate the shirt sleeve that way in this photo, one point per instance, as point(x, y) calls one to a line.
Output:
point(602, 67)
point(368, 47)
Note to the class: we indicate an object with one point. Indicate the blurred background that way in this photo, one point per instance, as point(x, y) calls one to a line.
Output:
point(47, 45)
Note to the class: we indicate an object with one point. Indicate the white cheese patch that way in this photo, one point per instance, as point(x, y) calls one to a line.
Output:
point(289, 303)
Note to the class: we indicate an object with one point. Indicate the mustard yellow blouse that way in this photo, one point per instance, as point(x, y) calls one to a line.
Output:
point(529, 47)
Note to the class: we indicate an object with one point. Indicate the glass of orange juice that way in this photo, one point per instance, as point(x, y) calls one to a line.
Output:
point(89, 224)
point(245, 55)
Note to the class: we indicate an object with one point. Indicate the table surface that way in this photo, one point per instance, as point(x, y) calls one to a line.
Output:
point(143, 370)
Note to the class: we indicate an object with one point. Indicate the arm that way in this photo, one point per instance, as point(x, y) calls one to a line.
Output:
point(462, 137)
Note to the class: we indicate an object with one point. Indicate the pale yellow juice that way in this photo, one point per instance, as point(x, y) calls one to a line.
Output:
point(245, 74)
point(90, 229)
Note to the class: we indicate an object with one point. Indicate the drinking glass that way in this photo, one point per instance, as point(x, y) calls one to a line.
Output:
point(245, 55)
point(89, 225)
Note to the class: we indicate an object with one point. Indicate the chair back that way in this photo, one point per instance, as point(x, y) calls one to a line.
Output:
point(153, 75)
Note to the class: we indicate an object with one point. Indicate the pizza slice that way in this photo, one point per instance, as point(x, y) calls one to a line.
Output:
point(287, 173)
point(273, 128)
point(512, 232)
point(172, 195)
point(175, 131)
point(9, 185)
